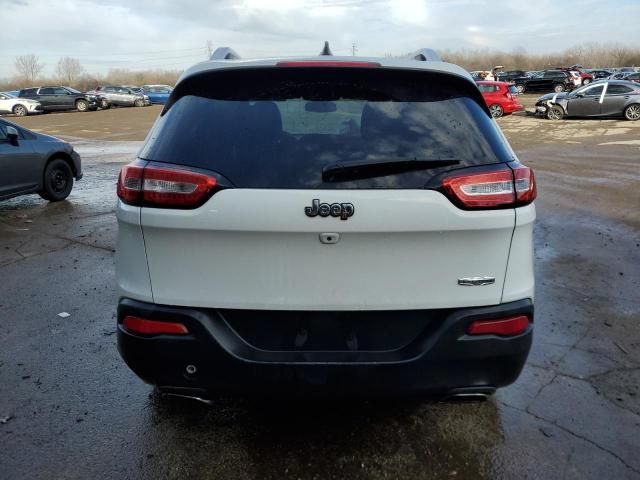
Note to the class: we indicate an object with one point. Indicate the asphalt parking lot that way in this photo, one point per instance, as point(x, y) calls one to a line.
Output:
point(70, 408)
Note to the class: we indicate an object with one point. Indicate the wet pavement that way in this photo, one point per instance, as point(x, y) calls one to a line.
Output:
point(70, 408)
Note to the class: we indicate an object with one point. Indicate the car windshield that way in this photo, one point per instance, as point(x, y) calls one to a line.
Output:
point(7, 94)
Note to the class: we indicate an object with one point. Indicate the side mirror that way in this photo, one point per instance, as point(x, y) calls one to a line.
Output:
point(12, 135)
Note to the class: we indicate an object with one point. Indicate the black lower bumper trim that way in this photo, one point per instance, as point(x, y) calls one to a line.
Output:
point(439, 360)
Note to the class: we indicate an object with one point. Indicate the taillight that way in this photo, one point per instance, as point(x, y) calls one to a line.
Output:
point(504, 327)
point(154, 186)
point(525, 184)
point(496, 189)
point(144, 326)
point(327, 63)
point(130, 183)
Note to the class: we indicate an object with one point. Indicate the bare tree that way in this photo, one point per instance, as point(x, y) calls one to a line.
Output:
point(28, 67)
point(209, 48)
point(69, 69)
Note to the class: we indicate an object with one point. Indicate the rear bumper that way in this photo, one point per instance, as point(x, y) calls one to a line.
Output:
point(513, 107)
point(441, 358)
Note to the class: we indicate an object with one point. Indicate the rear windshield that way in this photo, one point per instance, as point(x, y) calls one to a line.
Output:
point(280, 127)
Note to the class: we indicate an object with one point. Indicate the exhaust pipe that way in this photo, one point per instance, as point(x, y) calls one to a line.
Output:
point(188, 397)
point(466, 397)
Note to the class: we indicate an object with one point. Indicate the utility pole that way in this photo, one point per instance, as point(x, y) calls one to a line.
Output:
point(354, 49)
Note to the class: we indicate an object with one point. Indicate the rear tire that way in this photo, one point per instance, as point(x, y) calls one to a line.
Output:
point(555, 113)
point(496, 110)
point(20, 110)
point(104, 104)
point(632, 112)
point(139, 102)
point(82, 105)
point(586, 81)
point(57, 180)
point(558, 88)
point(521, 88)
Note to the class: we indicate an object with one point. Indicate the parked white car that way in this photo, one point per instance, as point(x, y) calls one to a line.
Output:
point(576, 78)
point(18, 106)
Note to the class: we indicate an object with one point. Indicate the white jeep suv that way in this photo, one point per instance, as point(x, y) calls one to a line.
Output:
point(326, 225)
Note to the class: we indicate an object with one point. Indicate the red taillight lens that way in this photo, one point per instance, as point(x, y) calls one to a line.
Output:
point(500, 188)
point(175, 188)
point(481, 190)
point(327, 63)
point(155, 186)
point(130, 183)
point(505, 327)
point(145, 326)
point(525, 183)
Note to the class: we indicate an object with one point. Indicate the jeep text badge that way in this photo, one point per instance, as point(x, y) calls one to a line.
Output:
point(342, 210)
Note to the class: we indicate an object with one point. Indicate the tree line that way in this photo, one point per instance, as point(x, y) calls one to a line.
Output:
point(589, 55)
point(69, 71)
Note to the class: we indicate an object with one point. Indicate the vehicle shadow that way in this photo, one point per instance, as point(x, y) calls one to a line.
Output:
point(237, 438)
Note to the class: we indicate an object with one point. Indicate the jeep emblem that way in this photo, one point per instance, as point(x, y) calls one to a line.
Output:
point(342, 210)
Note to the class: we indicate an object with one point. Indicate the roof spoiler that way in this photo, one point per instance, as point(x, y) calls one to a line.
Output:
point(224, 53)
point(425, 55)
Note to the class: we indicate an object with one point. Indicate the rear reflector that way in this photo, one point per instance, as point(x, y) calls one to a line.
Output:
point(327, 63)
point(154, 186)
point(497, 189)
point(506, 327)
point(144, 326)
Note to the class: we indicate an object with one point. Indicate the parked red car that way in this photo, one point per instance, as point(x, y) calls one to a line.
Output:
point(586, 77)
point(501, 97)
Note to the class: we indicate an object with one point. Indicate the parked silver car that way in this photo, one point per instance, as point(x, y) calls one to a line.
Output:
point(35, 163)
point(119, 96)
point(604, 98)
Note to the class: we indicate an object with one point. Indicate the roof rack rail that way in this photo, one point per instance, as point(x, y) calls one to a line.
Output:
point(224, 53)
point(425, 55)
point(326, 50)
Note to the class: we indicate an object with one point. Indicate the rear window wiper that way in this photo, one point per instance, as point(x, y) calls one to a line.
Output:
point(361, 169)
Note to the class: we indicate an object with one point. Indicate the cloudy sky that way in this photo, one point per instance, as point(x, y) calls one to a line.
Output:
point(173, 34)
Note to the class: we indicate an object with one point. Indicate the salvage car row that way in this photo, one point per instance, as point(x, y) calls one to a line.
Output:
point(48, 99)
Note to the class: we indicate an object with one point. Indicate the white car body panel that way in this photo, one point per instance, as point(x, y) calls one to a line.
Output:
point(519, 280)
point(256, 249)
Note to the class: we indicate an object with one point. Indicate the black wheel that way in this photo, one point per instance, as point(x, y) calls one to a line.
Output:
point(555, 113)
point(586, 81)
point(20, 110)
point(58, 180)
point(104, 104)
point(496, 110)
point(82, 105)
point(139, 102)
point(632, 112)
point(521, 88)
point(558, 88)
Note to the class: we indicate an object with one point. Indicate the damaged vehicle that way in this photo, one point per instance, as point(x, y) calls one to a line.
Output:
point(613, 98)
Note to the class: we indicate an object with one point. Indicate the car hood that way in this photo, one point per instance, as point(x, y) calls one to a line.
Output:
point(48, 138)
point(549, 96)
